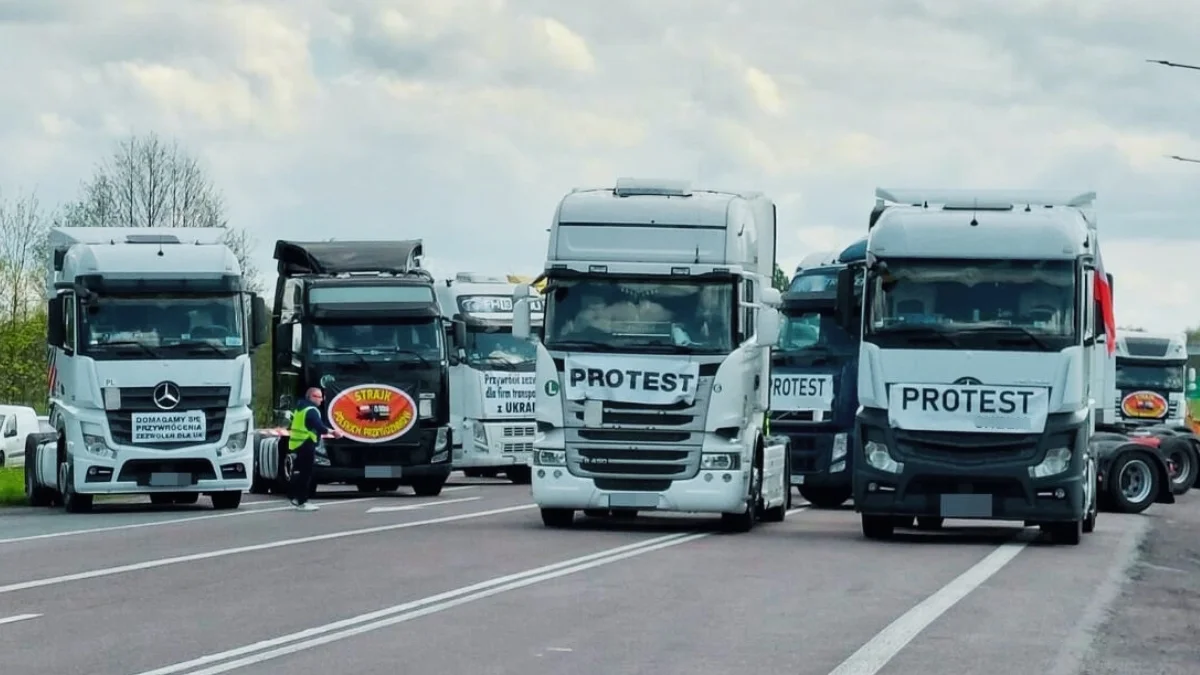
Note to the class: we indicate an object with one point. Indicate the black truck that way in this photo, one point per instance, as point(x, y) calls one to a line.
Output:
point(360, 320)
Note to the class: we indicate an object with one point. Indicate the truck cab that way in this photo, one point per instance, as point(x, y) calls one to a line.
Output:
point(981, 328)
point(360, 320)
point(150, 332)
point(654, 369)
point(814, 380)
point(1151, 379)
point(492, 377)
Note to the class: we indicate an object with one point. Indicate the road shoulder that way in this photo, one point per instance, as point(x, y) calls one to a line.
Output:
point(1156, 618)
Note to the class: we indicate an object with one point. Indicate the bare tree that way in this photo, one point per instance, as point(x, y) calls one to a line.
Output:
point(149, 183)
point(22, 249)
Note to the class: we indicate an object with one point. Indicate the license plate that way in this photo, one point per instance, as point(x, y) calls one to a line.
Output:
point(966, 506)
point(633, 500)
point(167, 479)
point(797, 480)
point(383, 471)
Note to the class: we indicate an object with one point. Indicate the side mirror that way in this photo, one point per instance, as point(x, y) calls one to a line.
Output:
point(283, 344)
point(771, 297)
point(460, 334)
point(261, 319)
point(847, 318)
point(766, 327)
point(522, 312)
point(1191, 376)
point(56, 329)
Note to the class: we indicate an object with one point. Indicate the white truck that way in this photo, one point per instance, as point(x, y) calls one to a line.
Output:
point(492, 377)
point(1151, 378)
point(149, 334)
point(653, 371)
point(982, 368)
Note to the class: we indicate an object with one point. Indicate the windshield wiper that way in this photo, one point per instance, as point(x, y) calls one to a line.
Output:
point(343, 350)
point(194, 344)
point(579, 344)
point(1021, 330)
point(129, 343)
point(919, 333)
point(398, 350)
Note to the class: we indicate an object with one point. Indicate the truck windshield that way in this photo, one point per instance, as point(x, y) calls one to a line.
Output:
point(652, 316)
point(162, 326)
point(1168, 376)
point(495, 347)
point(814, 331)
point(814, 281)
point(1022, 305)
point(379, 341)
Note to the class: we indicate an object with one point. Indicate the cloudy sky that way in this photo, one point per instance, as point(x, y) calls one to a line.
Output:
point(464, 121)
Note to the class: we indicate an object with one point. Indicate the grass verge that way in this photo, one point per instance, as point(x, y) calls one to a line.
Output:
point(12, 486)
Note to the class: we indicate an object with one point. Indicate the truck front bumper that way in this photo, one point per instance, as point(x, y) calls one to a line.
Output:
point(341, 461)
point(708, 492)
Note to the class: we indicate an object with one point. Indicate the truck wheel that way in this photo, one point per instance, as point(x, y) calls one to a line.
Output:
point(930, 523)
point(1134, 483)
point(1089, 519)
point(428, 487)
point(825, 497)
point(745, 521)
point(226, 501)
point(1067, 534)
point(878, 527)
point(258, 484)
point(1181, 453)
point(778, 514)
point(558, 517)
point(73, 502)
point(37, 495)
point(519, 475)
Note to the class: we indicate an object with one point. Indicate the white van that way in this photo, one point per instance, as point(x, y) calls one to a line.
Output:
point(16, 423)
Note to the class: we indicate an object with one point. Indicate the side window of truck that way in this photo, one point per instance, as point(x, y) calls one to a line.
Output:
point(746, 319)
point(69, 321)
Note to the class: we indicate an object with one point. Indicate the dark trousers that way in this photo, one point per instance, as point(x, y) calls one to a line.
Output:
point(302, 472)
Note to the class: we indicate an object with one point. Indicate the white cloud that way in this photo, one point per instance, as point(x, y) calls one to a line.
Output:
point(464, 121)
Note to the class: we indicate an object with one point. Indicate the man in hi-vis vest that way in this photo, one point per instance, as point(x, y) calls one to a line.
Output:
point(307, 429)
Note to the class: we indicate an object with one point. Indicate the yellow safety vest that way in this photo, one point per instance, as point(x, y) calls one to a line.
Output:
point(299, 430)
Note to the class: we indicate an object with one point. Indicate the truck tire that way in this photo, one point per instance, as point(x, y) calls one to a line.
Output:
point(226, 501)
point(428, 487)
point(37, 495)
point(1181, 452)
point(258, 484)
point(558, 518)
point(878, 527)
point(1133, 482)
point(745, 521)
point(825, 497)
point(519, 475)
point(72, 501)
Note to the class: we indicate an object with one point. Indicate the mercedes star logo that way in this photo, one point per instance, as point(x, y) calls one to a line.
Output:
point(967, 381)
point(166, 395)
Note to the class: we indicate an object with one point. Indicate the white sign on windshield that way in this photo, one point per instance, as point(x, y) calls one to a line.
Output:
point(493, 304)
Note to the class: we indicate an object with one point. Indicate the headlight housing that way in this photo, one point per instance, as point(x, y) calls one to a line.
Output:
point(550, 457)
point(720, 461)
point(1057, 460)
point(480, 433)
point(237, 440)
point(839, 447)
point(879, 457)
point(93, 441)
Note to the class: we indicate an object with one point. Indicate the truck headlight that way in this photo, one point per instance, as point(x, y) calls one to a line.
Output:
point(879, 457)
point(719, 461)
point(425, 407)
point(839, 447)
point(442, 438)
point(550, 457)
point(93, 441)
point(480, 433)
point(237, 440)
point(1057, 461)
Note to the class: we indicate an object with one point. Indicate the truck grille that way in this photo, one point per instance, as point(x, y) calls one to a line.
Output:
point(638, 441)
point(969, 449)
point(214, 401)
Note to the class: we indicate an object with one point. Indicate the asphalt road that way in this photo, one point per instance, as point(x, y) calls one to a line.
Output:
point(471, 582)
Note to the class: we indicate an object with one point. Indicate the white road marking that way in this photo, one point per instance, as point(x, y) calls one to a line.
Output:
point(422, 505)
point(172, 521)
point(163, 562)
point(273, 648)
point(457, 488)
point(879, 650)
point(19, 617)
